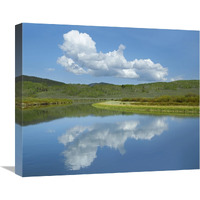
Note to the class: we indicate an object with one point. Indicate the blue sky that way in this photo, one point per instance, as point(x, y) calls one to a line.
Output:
point(109, 54)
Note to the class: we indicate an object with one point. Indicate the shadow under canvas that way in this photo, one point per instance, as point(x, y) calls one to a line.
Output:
point(9, 168)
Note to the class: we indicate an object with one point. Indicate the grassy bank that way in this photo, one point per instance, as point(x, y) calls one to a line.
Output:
point(166, 100)
point(149, 109)
point(32, 102)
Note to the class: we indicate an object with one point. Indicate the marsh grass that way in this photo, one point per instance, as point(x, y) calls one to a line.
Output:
point(188, 99)
point(149, 109)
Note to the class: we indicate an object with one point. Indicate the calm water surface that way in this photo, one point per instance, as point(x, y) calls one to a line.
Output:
point(96, 141)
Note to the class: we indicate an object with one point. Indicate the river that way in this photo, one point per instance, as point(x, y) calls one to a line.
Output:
point(81, 139)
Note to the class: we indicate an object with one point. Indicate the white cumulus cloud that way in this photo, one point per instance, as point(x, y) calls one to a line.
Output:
point(51, 69)
point(177, 78)
point(81, 57)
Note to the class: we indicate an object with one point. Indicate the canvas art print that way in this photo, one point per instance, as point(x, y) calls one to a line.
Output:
point(105, 99)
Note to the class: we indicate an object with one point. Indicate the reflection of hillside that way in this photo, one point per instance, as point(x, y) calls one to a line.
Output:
point(44, 114)
point(82, 142)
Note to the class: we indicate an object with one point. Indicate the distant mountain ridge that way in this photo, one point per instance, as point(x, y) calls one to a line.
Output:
point(101, 83)
point(53, 82)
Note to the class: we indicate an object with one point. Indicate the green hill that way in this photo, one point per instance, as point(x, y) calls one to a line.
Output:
point(38, 80)
point(44, 88)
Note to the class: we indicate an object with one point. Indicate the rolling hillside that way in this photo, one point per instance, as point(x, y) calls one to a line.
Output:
point(44, 88)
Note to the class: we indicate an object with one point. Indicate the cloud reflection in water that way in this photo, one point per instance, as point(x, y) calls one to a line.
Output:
point(82, 142)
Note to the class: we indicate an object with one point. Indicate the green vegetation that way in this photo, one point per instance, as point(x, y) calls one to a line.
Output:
point(30, 102)
point(189, 99)
point(148, 108)
point(74, 100)
point(180, 97)
point(43, 88)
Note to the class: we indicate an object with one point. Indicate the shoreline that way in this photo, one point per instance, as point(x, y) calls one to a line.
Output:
point(149, 109)
point(36, 102)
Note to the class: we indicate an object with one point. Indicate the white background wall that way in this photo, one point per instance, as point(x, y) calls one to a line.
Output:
point(171, 14)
